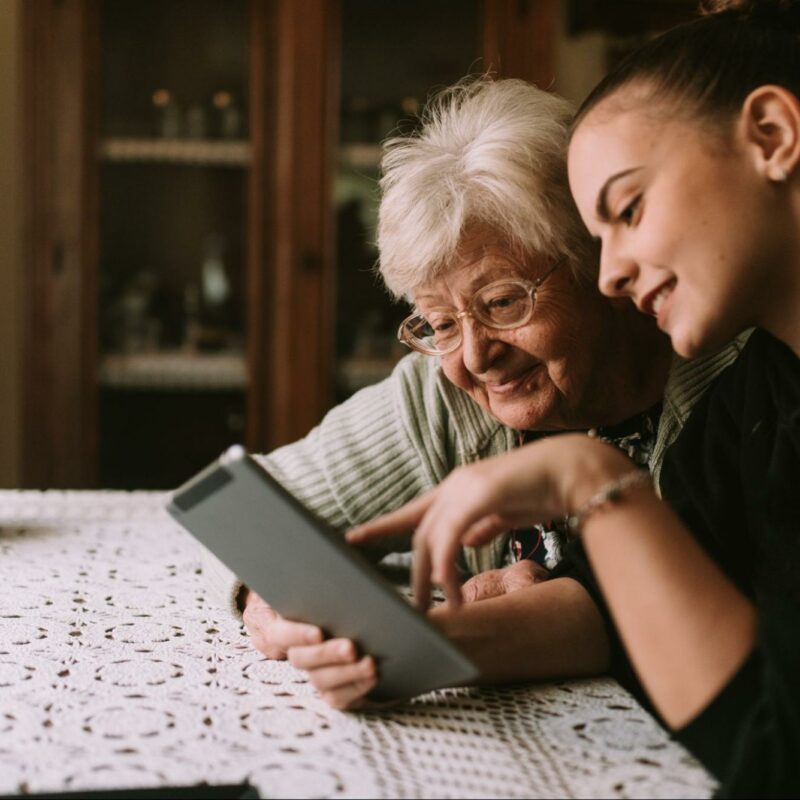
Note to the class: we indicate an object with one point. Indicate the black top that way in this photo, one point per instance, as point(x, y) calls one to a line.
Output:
point(733, 476)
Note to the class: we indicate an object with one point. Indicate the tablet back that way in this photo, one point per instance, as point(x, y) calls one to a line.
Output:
point(306, 571)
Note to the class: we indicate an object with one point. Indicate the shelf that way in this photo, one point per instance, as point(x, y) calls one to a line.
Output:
point(360, 155)
point(174, 371)
point(203, 152)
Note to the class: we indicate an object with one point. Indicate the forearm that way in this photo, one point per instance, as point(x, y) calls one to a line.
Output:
point(686, 627)
point(548, 630)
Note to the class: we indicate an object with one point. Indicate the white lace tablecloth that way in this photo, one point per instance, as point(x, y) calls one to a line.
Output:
point(116, 670)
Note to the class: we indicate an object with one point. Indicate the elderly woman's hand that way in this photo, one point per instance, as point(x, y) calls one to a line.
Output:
point(337, 672)
point(497, 582)
point(535, 483)
point(334, 669)
point(271, 634)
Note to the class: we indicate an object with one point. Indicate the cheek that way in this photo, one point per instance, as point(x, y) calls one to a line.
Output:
point(569, 373)
point(567, 326)
point(546, 336)
point(455, 372)
point(658, 239)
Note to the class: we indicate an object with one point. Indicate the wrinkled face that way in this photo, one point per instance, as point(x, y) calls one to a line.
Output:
point(547, 374)
point(684, 221)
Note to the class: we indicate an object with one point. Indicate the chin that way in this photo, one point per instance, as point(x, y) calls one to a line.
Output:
point(685, 348)
point(694, 344)
point(532, 418)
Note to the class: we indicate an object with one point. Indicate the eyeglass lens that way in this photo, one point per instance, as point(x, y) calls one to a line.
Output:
point(499, 305)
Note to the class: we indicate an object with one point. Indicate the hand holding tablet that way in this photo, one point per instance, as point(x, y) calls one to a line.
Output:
point(306, 572)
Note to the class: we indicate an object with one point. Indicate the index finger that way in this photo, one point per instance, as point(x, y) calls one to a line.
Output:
point(402, 520)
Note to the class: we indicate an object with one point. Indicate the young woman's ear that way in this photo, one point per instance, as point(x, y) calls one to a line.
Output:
point(770, 125)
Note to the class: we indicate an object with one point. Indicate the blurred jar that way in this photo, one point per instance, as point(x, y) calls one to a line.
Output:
point(167, 114)
point(196, 122)
point(229, 117)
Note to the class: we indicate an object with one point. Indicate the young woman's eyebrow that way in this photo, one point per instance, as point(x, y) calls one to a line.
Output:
point(601, 208)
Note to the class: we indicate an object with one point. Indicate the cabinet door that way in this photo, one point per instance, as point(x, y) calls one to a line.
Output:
point(392, 57)
point(181, 225)
point(175, 158)
point(148, 171)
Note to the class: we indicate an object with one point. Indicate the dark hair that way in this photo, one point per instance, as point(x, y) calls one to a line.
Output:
point(708, 66)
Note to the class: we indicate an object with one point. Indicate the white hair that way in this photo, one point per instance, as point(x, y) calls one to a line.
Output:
point(490, 153)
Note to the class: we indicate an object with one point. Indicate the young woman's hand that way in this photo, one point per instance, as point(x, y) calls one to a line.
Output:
point(535, 483)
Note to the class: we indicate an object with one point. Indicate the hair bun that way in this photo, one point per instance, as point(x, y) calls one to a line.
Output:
point(782, 12)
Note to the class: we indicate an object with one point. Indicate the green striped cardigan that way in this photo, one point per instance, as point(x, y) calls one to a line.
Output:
point(395, 440)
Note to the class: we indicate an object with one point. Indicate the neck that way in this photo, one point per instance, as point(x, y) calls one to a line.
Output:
point(778, 308)
point(642, 365)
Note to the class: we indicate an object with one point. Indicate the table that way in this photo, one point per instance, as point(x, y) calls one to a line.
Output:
point(117, 670)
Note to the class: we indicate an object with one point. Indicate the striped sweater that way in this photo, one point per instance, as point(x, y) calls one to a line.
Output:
point(395, 440)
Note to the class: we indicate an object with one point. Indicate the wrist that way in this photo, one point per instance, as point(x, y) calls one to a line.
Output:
point(613, 492)
point(598, 466)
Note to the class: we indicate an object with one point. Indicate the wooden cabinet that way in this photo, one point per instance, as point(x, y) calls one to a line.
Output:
point(192, 279)
point(628, 17)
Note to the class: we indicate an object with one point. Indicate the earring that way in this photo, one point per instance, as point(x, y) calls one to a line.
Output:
point(779, 174)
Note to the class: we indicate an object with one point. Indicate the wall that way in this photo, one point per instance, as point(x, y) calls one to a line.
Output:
point(10, 244)
point(580, 62)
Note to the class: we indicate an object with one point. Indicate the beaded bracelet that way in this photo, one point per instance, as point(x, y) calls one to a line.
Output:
point(611, 493)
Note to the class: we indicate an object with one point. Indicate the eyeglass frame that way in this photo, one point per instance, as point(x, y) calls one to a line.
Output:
point(531, 287)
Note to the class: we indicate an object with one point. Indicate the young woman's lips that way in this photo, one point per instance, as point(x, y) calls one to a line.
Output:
point(653, 302)
point(662, 309)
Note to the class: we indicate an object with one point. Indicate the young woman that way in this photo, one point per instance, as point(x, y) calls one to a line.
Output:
point(685, 165)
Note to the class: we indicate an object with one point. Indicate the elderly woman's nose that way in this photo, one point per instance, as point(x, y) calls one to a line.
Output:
point(478, 346)
point(618, 273)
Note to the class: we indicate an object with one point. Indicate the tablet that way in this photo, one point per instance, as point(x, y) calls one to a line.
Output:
point(307, 572)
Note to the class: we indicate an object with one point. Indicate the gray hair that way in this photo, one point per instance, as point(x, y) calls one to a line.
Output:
point(490, 153)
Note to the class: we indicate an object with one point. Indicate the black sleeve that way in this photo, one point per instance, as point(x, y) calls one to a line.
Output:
point(575, 565)
point(734, 478)
point(749, 735)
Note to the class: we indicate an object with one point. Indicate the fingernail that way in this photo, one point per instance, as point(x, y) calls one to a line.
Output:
point(346, 648)
point(368, 683)
point(312, 635)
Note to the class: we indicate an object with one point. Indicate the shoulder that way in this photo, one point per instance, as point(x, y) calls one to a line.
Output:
point(689, 379)
point(427, 401)
point(781, 370)
point(762, 382)
point(687, 383)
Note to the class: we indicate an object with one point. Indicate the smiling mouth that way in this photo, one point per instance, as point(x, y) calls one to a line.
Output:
point(511, 384)
point(651, 303)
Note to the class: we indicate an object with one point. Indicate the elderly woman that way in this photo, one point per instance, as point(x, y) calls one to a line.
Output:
point(511, 341)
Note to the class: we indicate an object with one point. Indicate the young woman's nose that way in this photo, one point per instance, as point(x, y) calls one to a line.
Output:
point(618, 273)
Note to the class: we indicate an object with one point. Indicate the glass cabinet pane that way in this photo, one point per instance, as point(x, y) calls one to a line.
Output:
point(393, 55)
point(174, 156)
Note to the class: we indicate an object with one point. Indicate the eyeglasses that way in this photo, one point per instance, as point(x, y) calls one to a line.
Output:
point(502, 305)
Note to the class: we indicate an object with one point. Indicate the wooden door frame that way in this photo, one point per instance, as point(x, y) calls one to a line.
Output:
point(260, 221)
point(60, 242)
point(291, 309)
point(519, 39)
